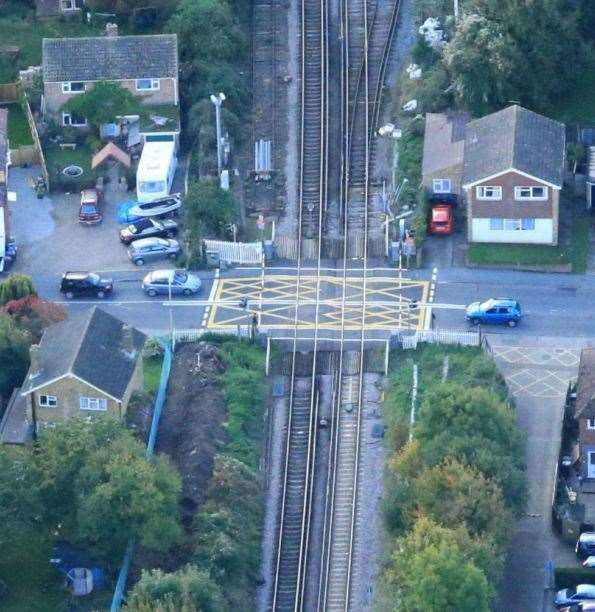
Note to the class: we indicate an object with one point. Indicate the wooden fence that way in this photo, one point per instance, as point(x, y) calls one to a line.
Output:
point(40, 156)
point(10, 93)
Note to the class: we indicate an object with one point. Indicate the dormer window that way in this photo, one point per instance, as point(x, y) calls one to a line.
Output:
point(147, 84)
point(73, 87)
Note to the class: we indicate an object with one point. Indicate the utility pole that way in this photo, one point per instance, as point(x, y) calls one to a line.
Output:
point(217, 100)
point(456, 9)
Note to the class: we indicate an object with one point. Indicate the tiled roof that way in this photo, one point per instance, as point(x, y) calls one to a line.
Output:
point(585, 388)
point(444, 140)
point(91, 346)
point(514, 138)
point(47, 8)
point(110, 58)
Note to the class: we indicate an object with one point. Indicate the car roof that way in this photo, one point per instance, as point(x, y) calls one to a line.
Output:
point(156, 274)
point(587, 536)
point(75, 275)
point(585, 588)
point(137, 244)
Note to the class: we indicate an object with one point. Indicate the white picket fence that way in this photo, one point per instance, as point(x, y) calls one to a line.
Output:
point(194, 335)
point(440, 336)
point(237, 252)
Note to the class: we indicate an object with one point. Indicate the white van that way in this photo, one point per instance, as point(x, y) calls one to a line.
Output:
point(156, 170)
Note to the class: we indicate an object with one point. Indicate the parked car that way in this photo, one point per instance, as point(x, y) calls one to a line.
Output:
point(89, 211)
point(584, 606)
point(147, 228)
point(589, 561)
point(498, 310)
point(582, 592)
point(75, 284)
point(131, 211)
point(182, 283)
point(441, 219)
point(585, 545)
point(149, 249)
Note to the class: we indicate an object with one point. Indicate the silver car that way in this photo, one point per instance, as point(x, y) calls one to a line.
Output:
point(148, 249)
point(182, 283)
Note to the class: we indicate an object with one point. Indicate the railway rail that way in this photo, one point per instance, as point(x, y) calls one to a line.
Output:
point(365, 51)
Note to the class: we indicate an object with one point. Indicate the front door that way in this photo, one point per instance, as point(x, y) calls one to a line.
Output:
point(591, 465)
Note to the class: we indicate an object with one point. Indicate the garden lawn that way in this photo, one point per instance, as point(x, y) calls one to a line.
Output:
point(57, 159)
point(19, 133)
point(152, 373)
point(33, 584)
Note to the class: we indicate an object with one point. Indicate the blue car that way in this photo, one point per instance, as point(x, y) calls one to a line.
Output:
point(504, 311)
point(124, 215)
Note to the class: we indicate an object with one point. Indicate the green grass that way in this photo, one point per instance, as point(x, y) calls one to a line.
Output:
point(19, 133)
point(152, 373)
point(57, 159)
point(33, 584)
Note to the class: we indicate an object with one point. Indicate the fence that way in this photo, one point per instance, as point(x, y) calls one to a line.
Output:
point(237, 252)
point(194, 335)
point(10, 93)
point(35, 134)
point(440, 336)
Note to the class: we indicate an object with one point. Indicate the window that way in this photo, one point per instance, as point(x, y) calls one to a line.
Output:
point(512, 224)
point(528, 224)
point(73, 87)
point(530, 193)
point(92, 403)
point(590, 423)
point(73, 119)
point(497, 224)
point(441, 185)
point(488, 193)
point(147, 84)
point(48, 401)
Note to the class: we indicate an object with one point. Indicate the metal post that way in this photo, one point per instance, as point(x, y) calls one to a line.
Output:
point(268, 357)
point(217, 100)
point(456, 9)
point(386, 355)
point(171, 313)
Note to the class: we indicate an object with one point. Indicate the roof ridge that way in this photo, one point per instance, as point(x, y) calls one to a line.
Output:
point(103, 37)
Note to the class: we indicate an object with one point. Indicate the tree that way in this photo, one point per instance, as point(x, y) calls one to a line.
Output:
point(187, 590)
point(60, 455)
point(123, 495)
point(469, 411)
point(14, 354)
point(125, 8)
point(34, 314)
point(433, 568)
point(103, 103)
point(15, 287)
point(453, 494)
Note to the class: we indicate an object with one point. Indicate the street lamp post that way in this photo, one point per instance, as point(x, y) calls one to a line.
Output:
point(217, 100)
point(171, 313)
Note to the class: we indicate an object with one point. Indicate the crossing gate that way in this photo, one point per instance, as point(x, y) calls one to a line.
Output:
point(237, 252)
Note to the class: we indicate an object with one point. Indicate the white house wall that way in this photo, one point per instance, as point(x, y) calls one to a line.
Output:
point(542, 234)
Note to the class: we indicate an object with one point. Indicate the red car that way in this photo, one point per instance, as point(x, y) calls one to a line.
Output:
point(90, 212)
point(442, 214)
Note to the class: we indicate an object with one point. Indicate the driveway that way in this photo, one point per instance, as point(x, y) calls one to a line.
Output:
point(537, 372)
point(51, 240)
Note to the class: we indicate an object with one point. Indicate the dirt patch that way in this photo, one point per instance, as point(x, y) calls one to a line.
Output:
point(192, 430)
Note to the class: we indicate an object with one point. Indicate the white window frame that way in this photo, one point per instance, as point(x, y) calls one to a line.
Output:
point(69, 123)
point(154, 85)
point(50, 401)
point(496, 221)
point(528, 221)
point(482, 190)
point(442, 185)
point(95, 404)
point(67, 87)
point(590, 423)
point(72, 7)
point(512, 225)
point(518, 193)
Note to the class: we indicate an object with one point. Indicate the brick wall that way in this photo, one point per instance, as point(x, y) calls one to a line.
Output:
point(55, 98)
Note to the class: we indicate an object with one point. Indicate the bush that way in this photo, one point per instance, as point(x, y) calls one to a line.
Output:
point(15, 287)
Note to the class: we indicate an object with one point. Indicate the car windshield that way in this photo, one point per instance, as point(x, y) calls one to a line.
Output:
point(487, 305)
point(570, 592)
point(94, 278)
point(88, 208)
point(132, 229)
point(180, 277)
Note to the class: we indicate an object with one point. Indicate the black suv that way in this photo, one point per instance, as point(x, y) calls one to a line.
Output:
point(148, 228)
point(85, 284)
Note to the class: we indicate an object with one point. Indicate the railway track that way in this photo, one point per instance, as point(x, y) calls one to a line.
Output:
point(363, 65)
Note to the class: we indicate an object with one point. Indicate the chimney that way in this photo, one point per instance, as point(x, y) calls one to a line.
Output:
point(111, 30)
point(35, 367)
point(128, 341)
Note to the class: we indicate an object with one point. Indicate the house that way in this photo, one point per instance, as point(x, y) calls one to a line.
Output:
point(88, 364)
point(444, 145)
point(584, 412)
point(57, 8)
point(512, 176)
point(147, 66)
